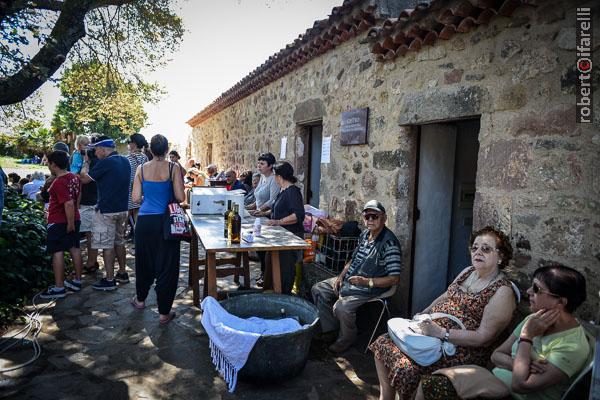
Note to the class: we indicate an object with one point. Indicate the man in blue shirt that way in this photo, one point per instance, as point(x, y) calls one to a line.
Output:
point(111, 174)
point(375, 266)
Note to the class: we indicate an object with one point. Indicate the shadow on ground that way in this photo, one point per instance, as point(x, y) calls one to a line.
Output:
point(97, 346)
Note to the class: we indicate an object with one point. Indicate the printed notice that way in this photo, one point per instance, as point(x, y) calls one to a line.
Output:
point(325, 150)
point(283, 149)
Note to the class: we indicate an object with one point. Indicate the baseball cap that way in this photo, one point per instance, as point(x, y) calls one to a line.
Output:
point(374, 205)
point(104, 143)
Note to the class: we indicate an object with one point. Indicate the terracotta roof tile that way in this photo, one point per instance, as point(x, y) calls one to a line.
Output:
point(440, 19)
point(410, 31)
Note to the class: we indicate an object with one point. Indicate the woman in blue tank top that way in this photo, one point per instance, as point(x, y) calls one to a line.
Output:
point(156, 259)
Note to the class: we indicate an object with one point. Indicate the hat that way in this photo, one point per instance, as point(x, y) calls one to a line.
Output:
point(60, 146)
point(374, 205)
point(104, 143)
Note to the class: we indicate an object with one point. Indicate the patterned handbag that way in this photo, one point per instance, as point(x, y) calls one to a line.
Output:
point(175, 222)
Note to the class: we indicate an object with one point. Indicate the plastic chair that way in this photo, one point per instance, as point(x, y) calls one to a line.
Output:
point(382, 298)
point(582, 385)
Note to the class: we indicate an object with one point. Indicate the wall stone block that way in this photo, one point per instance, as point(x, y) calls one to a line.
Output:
point(369, 181)
point(558, 121)
point(566, 39)
point(442, 104)
point(453, 76)
point(534, 62)
point(390, 160)
point(564, 236)
point(512, 97)
point(492, 210)
point(505, 164)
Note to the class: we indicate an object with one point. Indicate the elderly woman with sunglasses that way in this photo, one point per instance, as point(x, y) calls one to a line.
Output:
point(481, 297)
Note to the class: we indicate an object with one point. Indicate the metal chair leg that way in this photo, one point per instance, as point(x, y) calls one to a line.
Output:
point(384, 308)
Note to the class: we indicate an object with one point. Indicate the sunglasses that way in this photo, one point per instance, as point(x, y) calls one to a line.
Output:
point(538, 290)
point(373, 217)
point(485, 249)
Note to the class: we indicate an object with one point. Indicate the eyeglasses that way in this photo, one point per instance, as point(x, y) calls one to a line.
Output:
point(373, 217)
point(485, 249)
point(538, 290)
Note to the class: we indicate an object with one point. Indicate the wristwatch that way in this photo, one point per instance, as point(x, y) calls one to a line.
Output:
point(446, 335)
point(370, 283)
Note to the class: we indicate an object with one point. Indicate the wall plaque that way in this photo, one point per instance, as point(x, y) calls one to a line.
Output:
point(354, 127)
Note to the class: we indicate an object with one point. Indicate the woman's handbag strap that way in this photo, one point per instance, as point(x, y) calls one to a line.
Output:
point(450, 317)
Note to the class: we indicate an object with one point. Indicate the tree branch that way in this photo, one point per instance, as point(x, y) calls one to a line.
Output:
point(69, 29)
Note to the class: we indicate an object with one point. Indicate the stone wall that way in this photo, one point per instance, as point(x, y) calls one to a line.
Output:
point(537, 173)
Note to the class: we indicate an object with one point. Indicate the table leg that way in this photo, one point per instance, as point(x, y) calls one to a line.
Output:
point(193, 269)
point(276, 271)
point(211, 267)
point(246, 266)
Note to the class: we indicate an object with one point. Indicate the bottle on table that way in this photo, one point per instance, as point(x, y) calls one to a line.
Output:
point(257, 226)
point(226, 219)
point(236, 225)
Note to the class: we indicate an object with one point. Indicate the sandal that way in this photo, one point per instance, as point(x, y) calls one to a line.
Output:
point(165, 321)
point(137, 305)
point(88, 269)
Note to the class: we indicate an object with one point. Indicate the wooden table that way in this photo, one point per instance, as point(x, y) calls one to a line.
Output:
point(208, 230)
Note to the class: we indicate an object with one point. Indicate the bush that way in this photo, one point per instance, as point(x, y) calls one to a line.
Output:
point(26, 268)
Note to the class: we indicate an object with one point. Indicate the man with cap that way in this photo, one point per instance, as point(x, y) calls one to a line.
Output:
point(375, 266)
point(111, 174)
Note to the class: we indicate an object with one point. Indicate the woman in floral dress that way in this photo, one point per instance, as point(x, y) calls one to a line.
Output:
point(481, 297)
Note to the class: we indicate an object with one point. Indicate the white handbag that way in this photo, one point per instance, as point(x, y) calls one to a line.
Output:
point(424, 350)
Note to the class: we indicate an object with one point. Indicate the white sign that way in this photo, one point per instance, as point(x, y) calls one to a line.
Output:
point(283, 149)
point(325, 150)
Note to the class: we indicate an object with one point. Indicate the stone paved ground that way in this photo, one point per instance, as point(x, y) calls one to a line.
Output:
point(95, 345)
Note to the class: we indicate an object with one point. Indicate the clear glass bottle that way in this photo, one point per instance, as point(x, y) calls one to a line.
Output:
point(226, 220)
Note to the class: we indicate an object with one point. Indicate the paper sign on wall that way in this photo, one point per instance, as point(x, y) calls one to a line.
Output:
point(325, 150)
point(283, 149)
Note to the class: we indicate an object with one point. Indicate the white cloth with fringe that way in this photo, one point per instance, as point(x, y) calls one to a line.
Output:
point(232, 338)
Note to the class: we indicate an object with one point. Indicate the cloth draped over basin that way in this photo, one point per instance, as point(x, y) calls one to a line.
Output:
point(234, 328)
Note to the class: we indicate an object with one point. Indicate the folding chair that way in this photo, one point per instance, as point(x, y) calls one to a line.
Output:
point(382, 298)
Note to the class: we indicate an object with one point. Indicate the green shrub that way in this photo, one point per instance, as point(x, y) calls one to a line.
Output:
point(25, 266)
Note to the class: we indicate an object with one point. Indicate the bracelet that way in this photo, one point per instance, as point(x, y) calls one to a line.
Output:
point(526, 340)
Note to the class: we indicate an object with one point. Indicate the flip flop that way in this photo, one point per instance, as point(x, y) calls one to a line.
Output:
point(136, 305)
point(164, 322)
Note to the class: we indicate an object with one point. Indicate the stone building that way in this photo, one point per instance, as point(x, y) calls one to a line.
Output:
point(471, 122)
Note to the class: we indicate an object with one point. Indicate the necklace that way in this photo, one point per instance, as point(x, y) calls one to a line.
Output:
point(469, 286)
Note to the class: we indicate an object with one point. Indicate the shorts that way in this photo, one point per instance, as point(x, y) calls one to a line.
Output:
point(58, 239)
point(86, 214)
point(108, 230)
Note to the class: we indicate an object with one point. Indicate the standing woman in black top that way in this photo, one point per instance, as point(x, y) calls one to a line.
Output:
point(288, 212)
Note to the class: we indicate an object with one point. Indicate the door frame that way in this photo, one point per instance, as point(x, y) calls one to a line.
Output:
point(415, 209)
point(306, 137)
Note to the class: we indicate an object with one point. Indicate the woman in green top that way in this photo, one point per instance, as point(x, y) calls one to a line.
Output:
point(548, 349)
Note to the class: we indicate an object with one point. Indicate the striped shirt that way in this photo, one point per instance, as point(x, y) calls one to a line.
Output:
point(378, 258)
point(135, 159)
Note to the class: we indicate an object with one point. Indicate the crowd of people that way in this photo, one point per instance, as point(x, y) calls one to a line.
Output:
point(96, 192)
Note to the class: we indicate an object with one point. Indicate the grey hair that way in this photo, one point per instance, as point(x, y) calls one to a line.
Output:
point(256, 175)
point(38, 176)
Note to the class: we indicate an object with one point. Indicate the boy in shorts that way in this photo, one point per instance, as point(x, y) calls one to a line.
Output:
point(63, 225)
